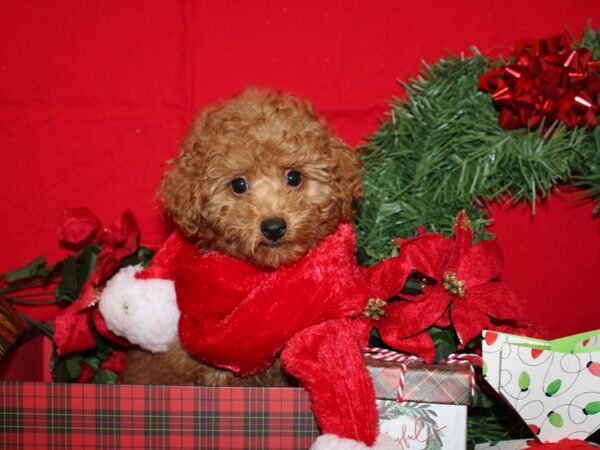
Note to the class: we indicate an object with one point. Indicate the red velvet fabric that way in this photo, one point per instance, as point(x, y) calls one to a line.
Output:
point(328, 361)
point(237, 316)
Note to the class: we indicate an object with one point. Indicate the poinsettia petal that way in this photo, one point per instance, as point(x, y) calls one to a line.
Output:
point(103, 330)
point(443, 321)
point(86, 373)
point(122, 235)
point(468, 322)
point(115, 362)
point(386, 278)
point(106, 267)
point(426, 254)
point(405, 318)
point(420, 344)
point(480, 264)
point(132, 235)
point(462, 240)
point(77, 225)
point(495, 299)
point(72, 332)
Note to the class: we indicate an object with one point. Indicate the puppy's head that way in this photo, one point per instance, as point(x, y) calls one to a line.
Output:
point(261, 178)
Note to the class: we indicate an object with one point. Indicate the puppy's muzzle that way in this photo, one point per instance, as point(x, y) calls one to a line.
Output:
point(273, 229)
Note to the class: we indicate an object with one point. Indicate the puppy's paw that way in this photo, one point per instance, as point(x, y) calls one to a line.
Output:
point(143, 311)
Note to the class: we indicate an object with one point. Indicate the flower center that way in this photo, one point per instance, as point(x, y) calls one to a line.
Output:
point(452, 285)
point(374, 309)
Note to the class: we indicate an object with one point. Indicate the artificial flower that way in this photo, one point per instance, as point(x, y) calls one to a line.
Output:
point(459, 289)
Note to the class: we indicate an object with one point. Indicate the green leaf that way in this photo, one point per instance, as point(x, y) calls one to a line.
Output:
point(92, 361)
point(592, 408)
point(142, 256)
point(36, 267)
point(45, 329)
point(555, 419)
point(104, 376)
point(67, 289)
point(524, 381)
point(76, 270)
point(444, 340)
point(553, 388)
point(86, 263)
point(72, 364)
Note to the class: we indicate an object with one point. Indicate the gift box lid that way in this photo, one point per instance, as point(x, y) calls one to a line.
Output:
point(448, 384)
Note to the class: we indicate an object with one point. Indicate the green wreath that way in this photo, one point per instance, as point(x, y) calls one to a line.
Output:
point(442, 150)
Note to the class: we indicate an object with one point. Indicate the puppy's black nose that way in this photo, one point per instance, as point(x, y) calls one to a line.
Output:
point(273, 229)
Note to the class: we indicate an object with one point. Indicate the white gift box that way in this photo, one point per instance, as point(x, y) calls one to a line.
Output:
point(422, 426)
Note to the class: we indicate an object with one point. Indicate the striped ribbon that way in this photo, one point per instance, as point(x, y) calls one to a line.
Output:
point(382, 354)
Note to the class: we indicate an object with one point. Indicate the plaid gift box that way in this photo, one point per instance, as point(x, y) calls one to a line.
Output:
point(447, 384)
point(87, 416)
point(422, 406)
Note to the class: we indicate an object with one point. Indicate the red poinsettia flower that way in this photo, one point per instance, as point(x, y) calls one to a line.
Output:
point(72, 332)
point(458, 289)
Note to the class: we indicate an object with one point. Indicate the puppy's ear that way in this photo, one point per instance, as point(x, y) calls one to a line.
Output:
point(350, 173)
point(181, 188)
point(180, 192)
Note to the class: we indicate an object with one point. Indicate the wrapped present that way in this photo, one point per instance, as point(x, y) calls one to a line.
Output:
point(553, 385)
point(11, 326)
point(91, 416)
point(422, 406)
point(447, 384)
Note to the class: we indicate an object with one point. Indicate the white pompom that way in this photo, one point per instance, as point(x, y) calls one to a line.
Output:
point(144, 312)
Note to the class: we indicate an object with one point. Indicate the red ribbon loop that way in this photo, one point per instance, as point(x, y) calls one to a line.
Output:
point(548, 82)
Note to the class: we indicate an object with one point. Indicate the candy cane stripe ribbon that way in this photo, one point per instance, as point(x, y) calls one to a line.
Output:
point(381, 354)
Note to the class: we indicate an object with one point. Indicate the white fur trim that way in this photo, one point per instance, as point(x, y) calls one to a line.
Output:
point(334, 442)
point(144, 312)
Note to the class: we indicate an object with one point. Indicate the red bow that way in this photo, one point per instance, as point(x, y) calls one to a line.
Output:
point(548, 81)
point(76, 228)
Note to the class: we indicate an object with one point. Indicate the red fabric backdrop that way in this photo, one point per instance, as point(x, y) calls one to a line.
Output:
point(94, 96)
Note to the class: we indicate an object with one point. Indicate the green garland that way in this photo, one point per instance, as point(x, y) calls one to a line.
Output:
point(442, 150)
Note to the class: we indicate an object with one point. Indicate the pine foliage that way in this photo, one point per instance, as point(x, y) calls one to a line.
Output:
point(441, 150)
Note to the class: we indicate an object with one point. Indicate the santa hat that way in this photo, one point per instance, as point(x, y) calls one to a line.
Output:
point(328, 361)
point(326, 357)
point(140, 304)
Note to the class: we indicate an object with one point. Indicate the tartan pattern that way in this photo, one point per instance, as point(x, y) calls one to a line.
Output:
point(88, 416)
point(11, 326)
point(441, 383)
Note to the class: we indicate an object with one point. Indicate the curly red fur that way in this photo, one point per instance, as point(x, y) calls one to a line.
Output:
point(259, 136)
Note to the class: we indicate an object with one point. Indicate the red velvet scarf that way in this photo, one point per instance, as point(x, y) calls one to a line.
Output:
point(238, 317)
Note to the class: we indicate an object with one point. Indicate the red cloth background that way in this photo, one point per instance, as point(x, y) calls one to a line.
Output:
point(94, 96)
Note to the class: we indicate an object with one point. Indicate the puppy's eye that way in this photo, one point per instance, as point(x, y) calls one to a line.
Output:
point(239, 186)
point(293, 178)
